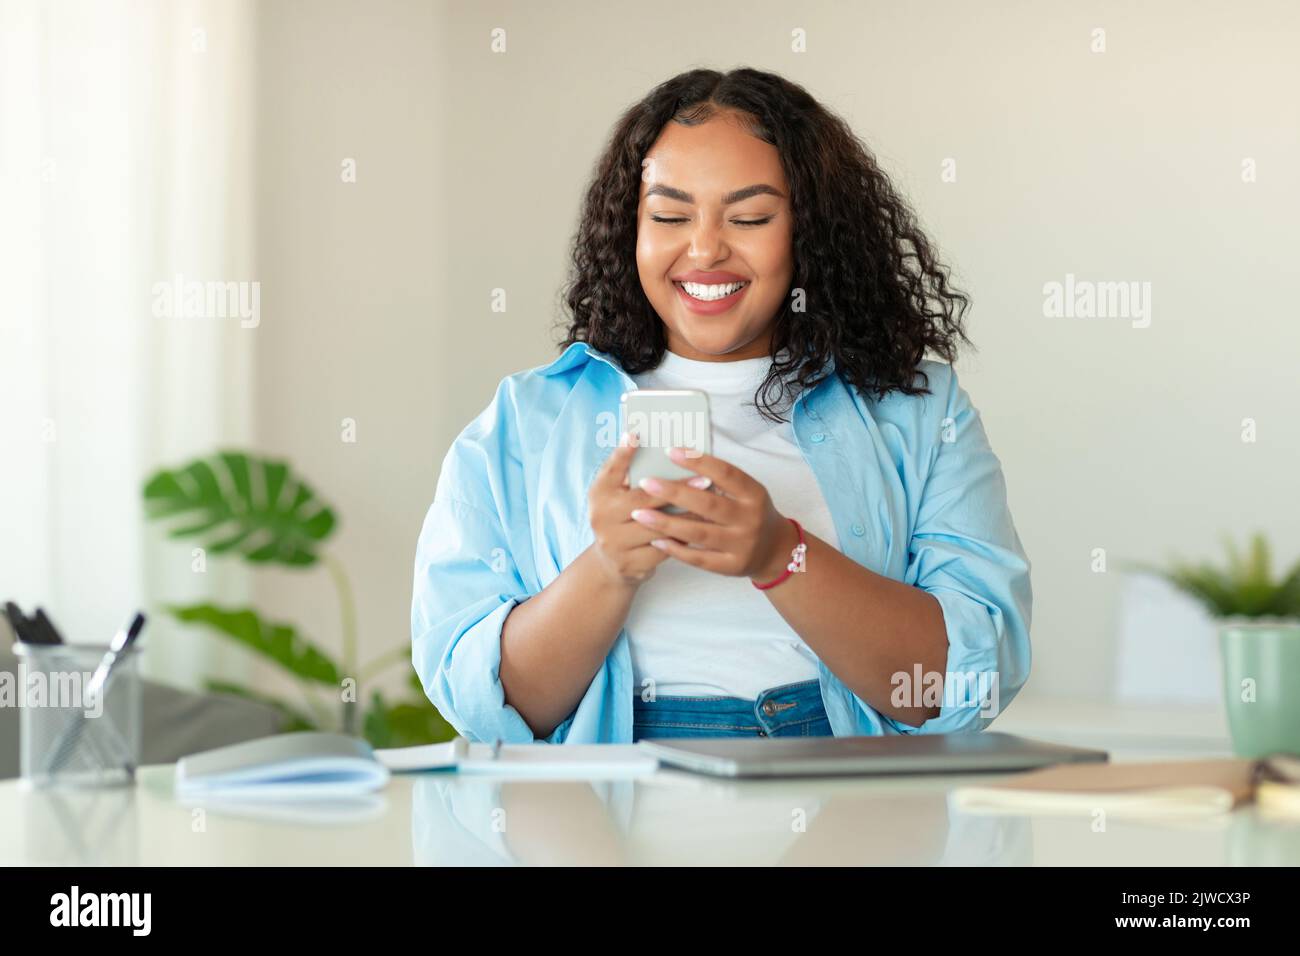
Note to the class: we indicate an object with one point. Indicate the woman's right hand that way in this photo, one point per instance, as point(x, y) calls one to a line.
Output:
point(623, 545)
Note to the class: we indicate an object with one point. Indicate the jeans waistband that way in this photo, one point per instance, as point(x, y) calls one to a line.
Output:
point(774, 709)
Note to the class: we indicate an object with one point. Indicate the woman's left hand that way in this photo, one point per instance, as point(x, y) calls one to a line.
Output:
point(738, 532)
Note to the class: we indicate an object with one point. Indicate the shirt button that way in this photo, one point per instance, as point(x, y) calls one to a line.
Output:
point(859, 530)
point(769, 707)
point(818, 436)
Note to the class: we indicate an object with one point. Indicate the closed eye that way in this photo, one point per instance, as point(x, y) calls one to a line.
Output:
point(738, 222)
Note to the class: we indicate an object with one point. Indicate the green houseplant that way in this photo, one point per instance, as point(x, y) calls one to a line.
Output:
point(1258, 619)
point(1243, 590)
point(257, 510)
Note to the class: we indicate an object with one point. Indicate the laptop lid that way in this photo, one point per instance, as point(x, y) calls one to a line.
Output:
point(822, 756)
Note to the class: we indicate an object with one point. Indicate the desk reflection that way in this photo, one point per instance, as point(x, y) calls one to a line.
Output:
point(677, 819)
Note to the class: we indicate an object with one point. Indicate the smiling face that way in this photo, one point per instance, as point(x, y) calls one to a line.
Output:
point(714, 245)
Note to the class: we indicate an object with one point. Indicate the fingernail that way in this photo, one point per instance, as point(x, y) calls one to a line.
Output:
point(676, 454)
point(700, 481)
point(644, 515)
point(651, 485)
point(660, 543)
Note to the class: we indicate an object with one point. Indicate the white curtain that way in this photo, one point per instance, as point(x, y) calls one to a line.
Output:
point(126, 147)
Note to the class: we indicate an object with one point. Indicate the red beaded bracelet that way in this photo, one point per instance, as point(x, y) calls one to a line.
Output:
point(796, 560)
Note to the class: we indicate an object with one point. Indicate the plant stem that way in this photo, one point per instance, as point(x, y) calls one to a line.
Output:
point(385, 661)
point(318, 711)
point(348, 616)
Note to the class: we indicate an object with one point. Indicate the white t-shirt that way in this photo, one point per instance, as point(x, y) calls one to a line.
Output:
point(698, 633)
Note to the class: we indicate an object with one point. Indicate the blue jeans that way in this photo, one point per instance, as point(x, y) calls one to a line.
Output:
point(791, 710)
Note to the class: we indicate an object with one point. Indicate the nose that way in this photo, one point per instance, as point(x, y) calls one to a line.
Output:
point(707, 245)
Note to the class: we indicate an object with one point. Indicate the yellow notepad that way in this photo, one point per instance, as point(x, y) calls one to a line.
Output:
point(1166, 789)
point(1278, 800)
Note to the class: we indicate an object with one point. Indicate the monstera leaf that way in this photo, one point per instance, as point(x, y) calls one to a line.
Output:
point(280, 642)
point(233, 502)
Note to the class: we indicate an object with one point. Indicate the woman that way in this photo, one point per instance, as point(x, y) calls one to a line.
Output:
point(736, 238)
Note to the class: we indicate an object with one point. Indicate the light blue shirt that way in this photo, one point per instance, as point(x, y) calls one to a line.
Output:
point(915, 491)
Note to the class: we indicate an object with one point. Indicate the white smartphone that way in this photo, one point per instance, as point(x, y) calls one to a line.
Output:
point(663, 419)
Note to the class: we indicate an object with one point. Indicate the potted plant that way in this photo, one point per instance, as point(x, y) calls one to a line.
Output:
point(257, 510)
point(1258, 621)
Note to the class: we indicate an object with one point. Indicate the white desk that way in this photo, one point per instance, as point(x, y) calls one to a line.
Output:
point(665, 818)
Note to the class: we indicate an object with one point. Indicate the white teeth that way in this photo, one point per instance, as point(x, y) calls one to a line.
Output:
point(711, 293)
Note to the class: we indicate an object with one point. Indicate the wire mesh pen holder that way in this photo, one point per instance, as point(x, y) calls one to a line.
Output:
point(69, 738)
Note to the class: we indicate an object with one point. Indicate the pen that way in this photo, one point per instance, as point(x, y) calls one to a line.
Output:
point(18, 622)
point(30, 630)
point(47, 628)
point(122, 640)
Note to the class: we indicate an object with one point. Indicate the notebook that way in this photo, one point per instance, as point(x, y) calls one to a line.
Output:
point(301, 765)
point(523, 760)
point(1193, 788)
point(312, 764)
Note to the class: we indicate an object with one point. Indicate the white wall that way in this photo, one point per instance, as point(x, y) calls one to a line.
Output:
point(1122, 165)
point(353, 292)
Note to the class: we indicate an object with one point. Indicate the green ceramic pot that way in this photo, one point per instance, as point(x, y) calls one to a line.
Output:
point(1261, 684)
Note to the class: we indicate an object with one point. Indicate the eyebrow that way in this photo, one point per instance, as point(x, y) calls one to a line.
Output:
point(758, 189)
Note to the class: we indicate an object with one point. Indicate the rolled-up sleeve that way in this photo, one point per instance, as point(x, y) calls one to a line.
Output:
point(966, 552)
point(465, 586)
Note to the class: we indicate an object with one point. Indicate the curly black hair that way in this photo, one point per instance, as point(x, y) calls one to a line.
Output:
point(875, 296)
